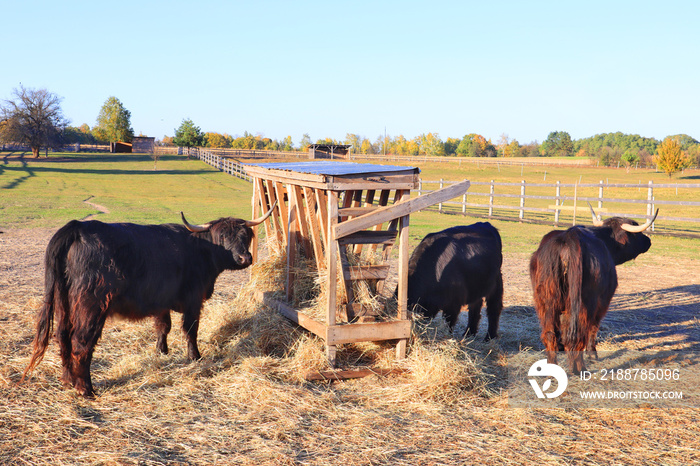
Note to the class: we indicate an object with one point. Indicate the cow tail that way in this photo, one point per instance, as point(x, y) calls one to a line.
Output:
point(55, 290)
point(574, 279)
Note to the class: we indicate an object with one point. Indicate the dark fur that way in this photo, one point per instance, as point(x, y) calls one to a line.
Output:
point(573, 281)
point(95, 270)
point(457, 267)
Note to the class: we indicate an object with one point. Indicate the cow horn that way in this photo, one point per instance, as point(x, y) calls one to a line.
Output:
point(258, 221)
point(639, 228)
point(597, 222)
point(195, 228)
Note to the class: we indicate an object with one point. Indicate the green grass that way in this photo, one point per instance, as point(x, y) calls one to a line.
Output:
point(47, 194)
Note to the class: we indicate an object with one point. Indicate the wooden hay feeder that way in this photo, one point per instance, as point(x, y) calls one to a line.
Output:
point(330, 211)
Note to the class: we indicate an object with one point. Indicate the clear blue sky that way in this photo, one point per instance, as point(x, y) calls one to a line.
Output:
point(327, 68)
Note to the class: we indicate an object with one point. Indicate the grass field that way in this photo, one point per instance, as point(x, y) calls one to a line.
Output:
point(246, 401)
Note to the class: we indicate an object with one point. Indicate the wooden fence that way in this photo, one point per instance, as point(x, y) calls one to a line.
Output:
point(565, 203)
point(225, 164)
point(559, 204)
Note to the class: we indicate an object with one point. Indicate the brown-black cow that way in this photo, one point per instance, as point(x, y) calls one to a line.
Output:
point(574, 279)
point(456, 267)
point(95, 270)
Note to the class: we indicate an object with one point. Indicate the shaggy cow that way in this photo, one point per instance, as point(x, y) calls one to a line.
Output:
point(574, 279)
point(95, 270)
point(457, 267)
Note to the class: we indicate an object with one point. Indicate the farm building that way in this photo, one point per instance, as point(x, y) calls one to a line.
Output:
point(143, 145)
point(325, 151)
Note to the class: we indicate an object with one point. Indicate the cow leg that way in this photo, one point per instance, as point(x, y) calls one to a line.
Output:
point(163, 324)
point(591, 348)
point(550, 336)
point(494, 306)
point(63, 336)
point(474, 318)
point(190, 325)
point(84, 338)
point(576, 347)
point(451, 314)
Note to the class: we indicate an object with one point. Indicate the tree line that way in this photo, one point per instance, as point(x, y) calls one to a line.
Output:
point(609, 149)
point(34, 118)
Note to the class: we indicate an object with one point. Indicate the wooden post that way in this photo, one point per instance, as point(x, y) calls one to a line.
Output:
point(650, 202)
point(464, 202)
point(575, 200)
point(256, 213)
point(600, 195)
point(491, 200)
point(332, 267)
point(522, 200)
point(403, 276)
point(557, 203)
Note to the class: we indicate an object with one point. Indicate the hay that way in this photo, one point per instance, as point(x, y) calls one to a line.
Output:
point(248, 403)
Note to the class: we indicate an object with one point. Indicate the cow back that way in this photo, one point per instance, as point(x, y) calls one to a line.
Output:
point(455, 266)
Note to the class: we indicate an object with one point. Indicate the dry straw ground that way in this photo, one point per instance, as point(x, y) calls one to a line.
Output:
point(246, 401)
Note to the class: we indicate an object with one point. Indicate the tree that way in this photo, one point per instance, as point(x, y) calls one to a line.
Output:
point(287, 144)
point(512, 149)
point(355, 141)
point(475, 145)
point(216, 140)
point(630, 158)
point(451, 146)
point(670, 157)
point(114, 122)
point(188, 135)
point(431, 144)
point(305, 142)
point(34, 118)
point(558, 144)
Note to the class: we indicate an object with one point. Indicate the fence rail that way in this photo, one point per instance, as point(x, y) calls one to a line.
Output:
point(567, 200)
point(225, 164)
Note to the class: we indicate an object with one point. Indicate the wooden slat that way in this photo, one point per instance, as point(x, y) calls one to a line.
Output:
point(256, 213)
point(369, 204)
point(293, 239)
point(295, 197)
point(368, 272)
point(272, 197)
point(369, 237)
point(322, 204)
point(316, 376)
point(376, 331)
point(349, 294)
point(383, 201)
point(401, 209)
point(265, 205)
point(314, 230)
point(299, 318)
point(284, 211)
point(355, 211)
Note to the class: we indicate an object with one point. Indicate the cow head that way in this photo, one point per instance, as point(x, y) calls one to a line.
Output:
point(232, 234)
point(623, 237)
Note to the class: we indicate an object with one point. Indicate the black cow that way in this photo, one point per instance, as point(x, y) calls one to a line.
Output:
point(457, 267)
point(95, 270)
point(574, 279)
